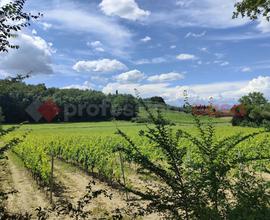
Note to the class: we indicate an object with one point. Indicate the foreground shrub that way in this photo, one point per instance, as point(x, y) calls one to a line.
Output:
point(201, 177)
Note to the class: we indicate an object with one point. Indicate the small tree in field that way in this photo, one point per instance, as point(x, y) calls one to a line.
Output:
point(200, 177)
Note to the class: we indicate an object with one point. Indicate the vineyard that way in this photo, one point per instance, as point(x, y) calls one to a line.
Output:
point(92, 148)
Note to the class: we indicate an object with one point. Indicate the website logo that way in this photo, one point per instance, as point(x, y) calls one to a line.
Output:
point(47, 110)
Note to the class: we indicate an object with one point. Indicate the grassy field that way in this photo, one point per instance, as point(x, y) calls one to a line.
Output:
point(108, 128)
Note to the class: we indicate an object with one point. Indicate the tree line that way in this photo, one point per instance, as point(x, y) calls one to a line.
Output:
point(17, 96)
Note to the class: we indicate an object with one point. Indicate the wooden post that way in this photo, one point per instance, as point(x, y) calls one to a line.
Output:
point(123, 172)
point(240, 164)
point(51, 180)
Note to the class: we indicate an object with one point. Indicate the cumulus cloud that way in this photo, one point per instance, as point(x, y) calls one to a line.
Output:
point(146, 90)
point(186, 56)
point(34, 55)
point(259, 84)
point(132, 76)
point(166, 77)
point(222, 93)
point(146, 39)
point(102, 65)
point(127, 9)
point(85, 86)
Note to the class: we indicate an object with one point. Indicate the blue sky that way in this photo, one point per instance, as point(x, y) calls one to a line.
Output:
point(158, 47)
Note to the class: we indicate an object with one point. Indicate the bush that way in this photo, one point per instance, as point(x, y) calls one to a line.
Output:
point(205, 179)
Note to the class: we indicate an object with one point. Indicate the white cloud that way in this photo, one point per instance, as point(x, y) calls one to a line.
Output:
point(240, 37)
point(203, 13)
point(155, 60)
point(183, 3)
point(219, 55)
point(225, 63)
point(222, 93)
point(96, 45)
point(127, 9)
point(259, 84)
point(34, 32)
point(190, 34)
point(4, 75)
point(263, 25)
point(204, 49)
point(146, 90)
point(166, 77)
point(85, 86)
point(99, 49)
point(221, 62)
point(186, 56)
point(173, 46)
point(46, 26)
point(33, 55)
point(4, 2)
point(246, 69)
point(70, 18)
point(130, 76)
point(146, 39)
point(103, 65)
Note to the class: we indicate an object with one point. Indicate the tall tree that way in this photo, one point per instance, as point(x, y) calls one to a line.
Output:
point(12, 20)
point(252, 9)
point(253, 99)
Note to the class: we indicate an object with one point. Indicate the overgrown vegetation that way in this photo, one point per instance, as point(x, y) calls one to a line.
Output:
point(208, 178)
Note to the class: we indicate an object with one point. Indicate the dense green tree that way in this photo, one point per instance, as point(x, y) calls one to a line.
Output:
point(253, 99)
point(157, 99)
point(123, 107)
point(86, 105)
point(256, 109)
point(15, 97)
point(12, 20)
